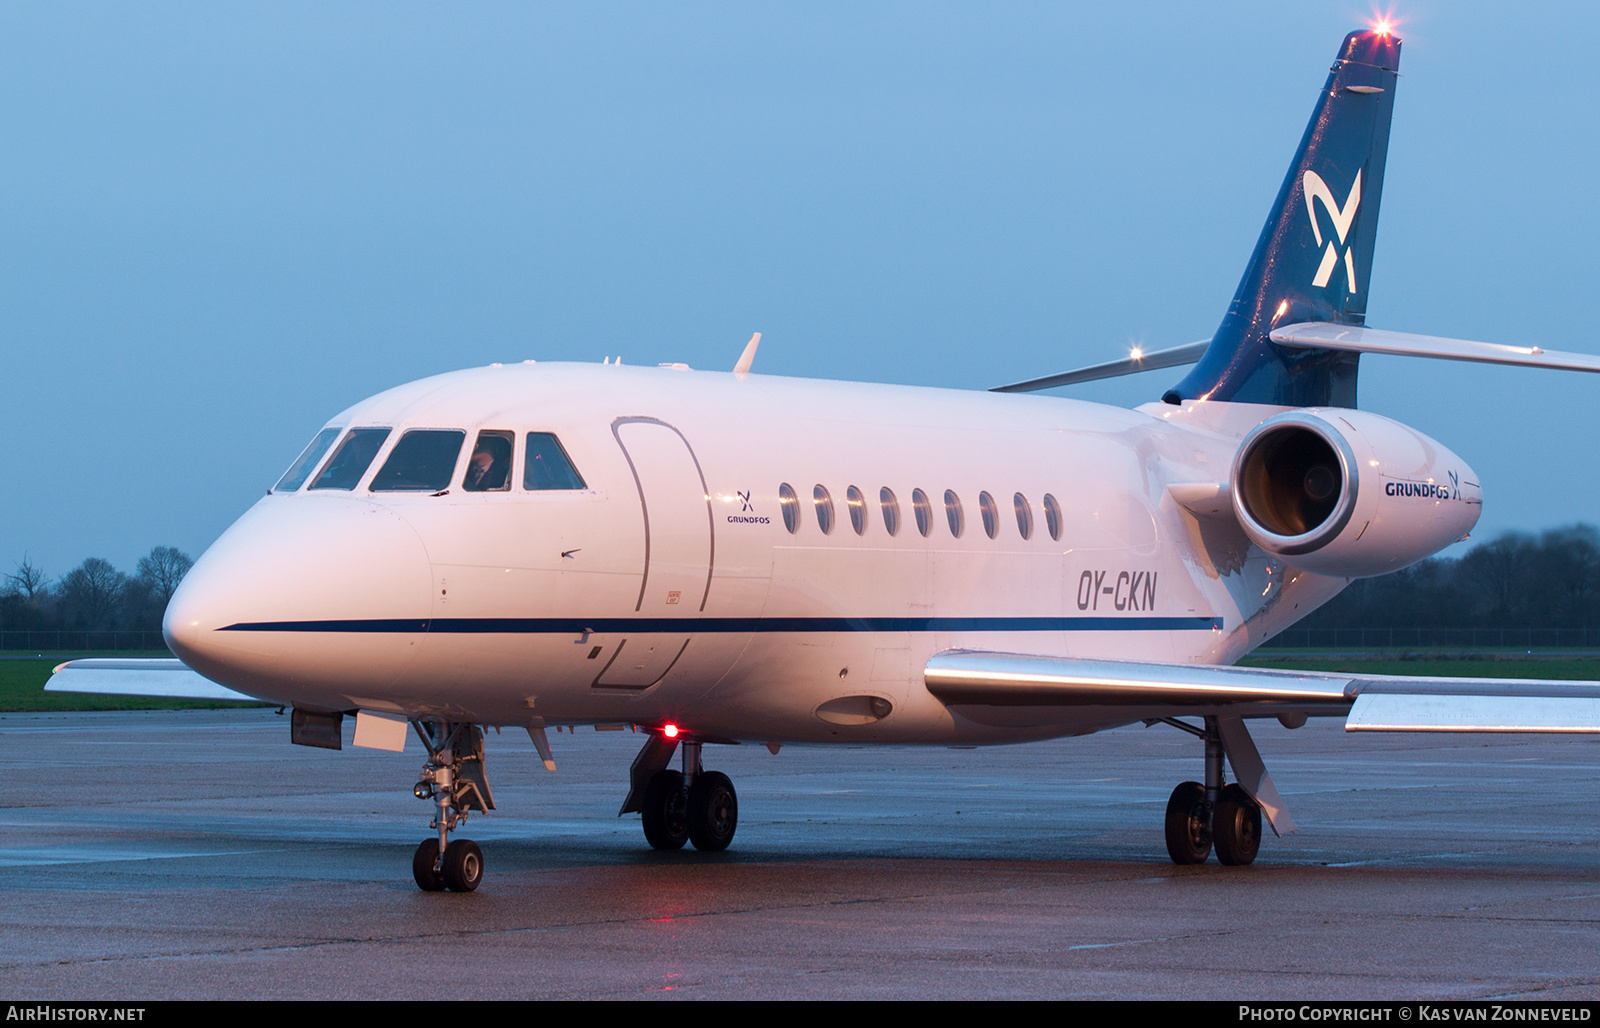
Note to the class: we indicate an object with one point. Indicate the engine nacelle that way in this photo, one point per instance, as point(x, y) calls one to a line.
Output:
point(1350, 494)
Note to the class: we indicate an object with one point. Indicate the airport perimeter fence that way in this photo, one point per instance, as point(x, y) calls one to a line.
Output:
point(1434, 638)
point(66, 641)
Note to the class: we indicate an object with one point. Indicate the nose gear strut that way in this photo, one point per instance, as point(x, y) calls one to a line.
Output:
point(454, 779)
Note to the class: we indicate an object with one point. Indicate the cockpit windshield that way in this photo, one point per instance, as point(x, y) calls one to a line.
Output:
point(548, 466)
point(296, 476)
point(489, 470)
point(422, 461)
point(352, 459)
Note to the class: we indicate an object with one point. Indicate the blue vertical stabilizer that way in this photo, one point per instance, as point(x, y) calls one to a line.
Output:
point(1314, 259)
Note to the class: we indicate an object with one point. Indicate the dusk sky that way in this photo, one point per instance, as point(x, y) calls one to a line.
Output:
point(220, 224)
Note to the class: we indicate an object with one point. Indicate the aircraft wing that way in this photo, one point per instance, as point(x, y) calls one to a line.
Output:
point(1369, 703)
point(113, 677)
point(1007, 687)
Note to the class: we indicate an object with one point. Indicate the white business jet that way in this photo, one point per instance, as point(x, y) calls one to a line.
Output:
point(714, 558)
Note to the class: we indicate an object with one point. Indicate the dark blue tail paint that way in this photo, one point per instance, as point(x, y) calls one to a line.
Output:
point(1314, 258)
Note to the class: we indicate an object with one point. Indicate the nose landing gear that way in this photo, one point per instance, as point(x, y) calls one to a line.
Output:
point(454, 779)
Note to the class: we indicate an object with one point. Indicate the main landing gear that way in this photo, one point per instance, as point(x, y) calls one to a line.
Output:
point(1227, 817)
point(453, 778)
point(692, 805)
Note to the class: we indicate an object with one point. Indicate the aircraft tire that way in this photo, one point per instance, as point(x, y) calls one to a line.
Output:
point(713, 812)
point(428, 880)
point(1188, 824)
point(666, 822)
point(463, 865)
point(1236, 826)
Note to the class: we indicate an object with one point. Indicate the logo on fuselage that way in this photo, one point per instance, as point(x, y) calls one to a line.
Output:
point(1343, 217)
point(745, 505)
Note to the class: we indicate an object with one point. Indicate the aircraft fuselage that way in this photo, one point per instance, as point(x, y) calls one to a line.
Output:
point(671, 588)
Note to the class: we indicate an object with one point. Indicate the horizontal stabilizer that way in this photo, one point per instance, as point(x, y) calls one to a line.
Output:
point(1325, 335)
point(157, 677)
point(1169, 358)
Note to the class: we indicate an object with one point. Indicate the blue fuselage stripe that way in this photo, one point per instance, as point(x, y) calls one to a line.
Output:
point(692, 625)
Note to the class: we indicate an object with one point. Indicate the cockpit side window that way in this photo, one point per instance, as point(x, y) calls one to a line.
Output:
point(352, 458)
point(489, 470)
point(548, 466)
point(300, 470)
point(422, 461)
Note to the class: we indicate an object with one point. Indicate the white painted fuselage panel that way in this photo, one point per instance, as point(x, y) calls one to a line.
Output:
point(671, 587)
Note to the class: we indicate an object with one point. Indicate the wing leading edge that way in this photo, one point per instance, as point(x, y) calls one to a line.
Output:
point(150, 677)
point(1369, 703)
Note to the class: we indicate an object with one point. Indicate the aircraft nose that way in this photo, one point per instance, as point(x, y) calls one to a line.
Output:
point(287, 597)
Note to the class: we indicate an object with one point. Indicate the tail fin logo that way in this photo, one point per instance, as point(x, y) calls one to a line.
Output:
point(1341, 216)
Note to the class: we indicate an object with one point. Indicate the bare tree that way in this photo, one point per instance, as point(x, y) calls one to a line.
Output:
point(162, 570)
point(29, 581)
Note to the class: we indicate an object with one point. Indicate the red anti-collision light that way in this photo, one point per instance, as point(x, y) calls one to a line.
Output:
point(669, 730)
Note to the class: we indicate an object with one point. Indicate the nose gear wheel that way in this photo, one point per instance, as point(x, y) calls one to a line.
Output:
point(453, 778)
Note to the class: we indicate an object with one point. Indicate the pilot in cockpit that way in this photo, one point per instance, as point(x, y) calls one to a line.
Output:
point(490, 465)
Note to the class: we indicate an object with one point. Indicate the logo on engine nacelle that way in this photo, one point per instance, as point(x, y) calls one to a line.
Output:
point(1427, 490)
point(1342, 217)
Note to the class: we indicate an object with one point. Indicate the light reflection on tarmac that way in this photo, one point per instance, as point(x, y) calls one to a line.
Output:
point(198, 854)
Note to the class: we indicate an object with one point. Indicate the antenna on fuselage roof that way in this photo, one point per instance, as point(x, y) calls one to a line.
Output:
point(748, 357)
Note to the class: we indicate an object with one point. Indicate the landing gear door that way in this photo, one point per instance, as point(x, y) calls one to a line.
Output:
point(678, 551)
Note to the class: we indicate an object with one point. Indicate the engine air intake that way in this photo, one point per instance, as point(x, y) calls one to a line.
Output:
point(1291, 480)
point(1294, 483)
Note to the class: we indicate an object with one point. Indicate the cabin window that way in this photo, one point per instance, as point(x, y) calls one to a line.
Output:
point(824, 505)
point(489, 467)
point(856, 501)
point(891, 510)
point(422, 461)
point(300, 470)
point(991, 515)
point(1052, 516)
point(1024, 515)
point(789, 503)
point(952, 513)
point(548, 466)
point(352, 458)
point(923, 509)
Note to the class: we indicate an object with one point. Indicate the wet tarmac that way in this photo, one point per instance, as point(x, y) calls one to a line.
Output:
point(197, 854)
